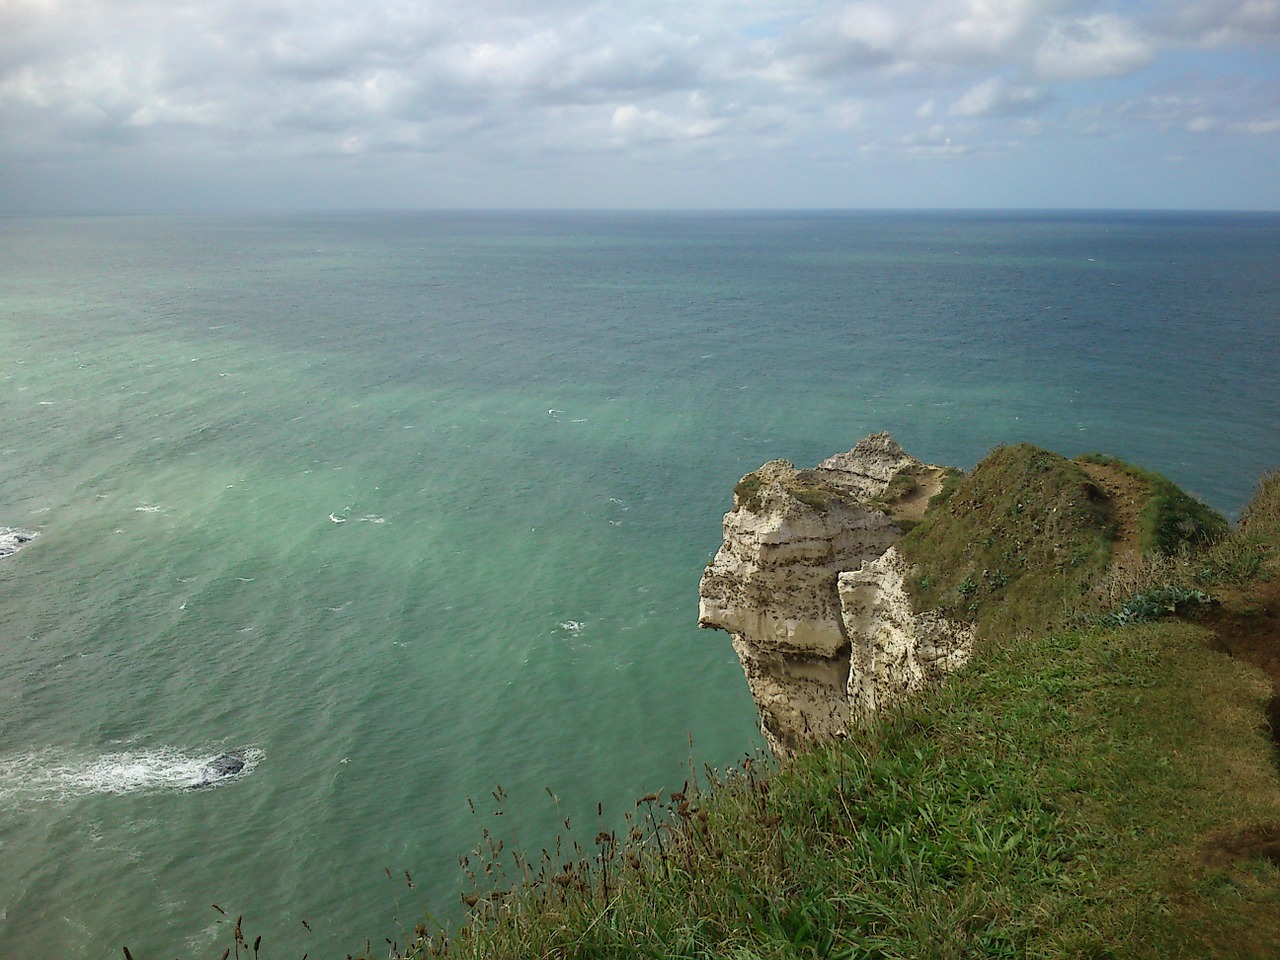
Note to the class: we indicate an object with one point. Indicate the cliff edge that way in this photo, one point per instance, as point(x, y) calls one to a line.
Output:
point(810, 589)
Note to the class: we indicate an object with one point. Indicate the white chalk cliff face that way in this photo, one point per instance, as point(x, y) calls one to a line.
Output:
point(813, 595)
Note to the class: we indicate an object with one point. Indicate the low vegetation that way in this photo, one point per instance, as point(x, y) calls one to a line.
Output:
point(811, 487)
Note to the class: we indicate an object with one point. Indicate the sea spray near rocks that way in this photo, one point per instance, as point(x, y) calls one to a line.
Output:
point(58, 775)
point(13, 539)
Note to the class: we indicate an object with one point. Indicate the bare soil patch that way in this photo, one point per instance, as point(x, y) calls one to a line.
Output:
point(1247, 625)
point(1260, 841)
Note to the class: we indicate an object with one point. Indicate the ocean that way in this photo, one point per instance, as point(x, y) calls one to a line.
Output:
point(411, 509)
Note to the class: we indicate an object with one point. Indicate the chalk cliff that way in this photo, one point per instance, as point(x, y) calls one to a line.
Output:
point(813, 596)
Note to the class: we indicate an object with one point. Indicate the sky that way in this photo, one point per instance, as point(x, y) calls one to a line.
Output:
point(239, 105)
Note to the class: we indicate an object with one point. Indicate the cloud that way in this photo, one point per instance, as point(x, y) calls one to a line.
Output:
point(1086, 48)
point(632, 125)
point(996, 98)
point(1222, 23)
point(914, 35)
point(524, 84)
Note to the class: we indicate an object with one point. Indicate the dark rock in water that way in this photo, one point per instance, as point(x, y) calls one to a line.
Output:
point(220, 767)
point(12, 540)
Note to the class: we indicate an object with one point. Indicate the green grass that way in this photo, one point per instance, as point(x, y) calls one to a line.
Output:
point(1261, 518)
point(1012, 544)
point(746, 492)
point(810, 487)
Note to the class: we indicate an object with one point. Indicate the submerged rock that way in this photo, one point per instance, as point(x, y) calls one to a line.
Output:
point(224, 765)
point(813, 597)
point(12, 540)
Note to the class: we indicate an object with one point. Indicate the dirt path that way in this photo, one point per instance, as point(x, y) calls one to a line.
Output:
point(914, 504)
point(1125, 495)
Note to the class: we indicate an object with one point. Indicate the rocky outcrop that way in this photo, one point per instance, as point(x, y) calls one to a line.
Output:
point(894, 651)
point(813, 596)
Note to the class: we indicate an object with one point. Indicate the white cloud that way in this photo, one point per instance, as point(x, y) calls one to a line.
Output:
point(912, 35)
point(632, 125)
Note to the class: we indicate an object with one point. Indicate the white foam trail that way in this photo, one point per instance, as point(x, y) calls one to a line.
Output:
point(59, 776)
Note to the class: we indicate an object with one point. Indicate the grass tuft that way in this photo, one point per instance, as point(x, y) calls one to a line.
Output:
point(1261, 518)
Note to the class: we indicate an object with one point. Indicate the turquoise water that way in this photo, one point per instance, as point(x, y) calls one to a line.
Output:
point(411, 506)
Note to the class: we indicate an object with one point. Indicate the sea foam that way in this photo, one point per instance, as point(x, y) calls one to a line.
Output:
point(57, 775)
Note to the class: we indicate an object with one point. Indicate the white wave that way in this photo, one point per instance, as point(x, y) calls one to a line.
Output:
point(56, 775)
point(147, 508)
point(12, 539)
point(372, 518)
point(334, 518)
point(572, 627)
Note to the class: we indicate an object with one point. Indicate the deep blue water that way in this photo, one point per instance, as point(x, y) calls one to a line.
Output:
point(411, 506)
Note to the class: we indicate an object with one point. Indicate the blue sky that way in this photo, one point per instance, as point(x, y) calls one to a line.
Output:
point(158, 105)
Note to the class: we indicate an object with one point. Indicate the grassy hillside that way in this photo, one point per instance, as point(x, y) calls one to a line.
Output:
point(1103, 791)
point(1020, 537)
point(1098, 793)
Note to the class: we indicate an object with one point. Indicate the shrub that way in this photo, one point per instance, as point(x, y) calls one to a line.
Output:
point(1154, 604)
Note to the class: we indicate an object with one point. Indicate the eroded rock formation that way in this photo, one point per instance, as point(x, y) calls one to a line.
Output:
point(813, 595)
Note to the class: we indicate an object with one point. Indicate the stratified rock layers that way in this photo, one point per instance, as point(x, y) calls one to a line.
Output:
point(814, 598)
